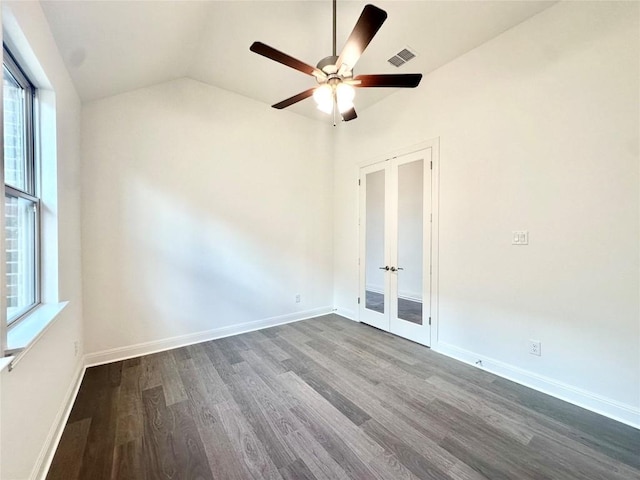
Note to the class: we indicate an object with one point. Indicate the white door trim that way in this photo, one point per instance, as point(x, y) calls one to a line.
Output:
point(434, 144)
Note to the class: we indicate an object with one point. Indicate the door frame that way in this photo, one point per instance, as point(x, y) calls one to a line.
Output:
point(434, 145)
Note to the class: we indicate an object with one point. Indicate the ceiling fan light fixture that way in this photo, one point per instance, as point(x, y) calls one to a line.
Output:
point(323, 96)
point(325, 108)
point(345, 94)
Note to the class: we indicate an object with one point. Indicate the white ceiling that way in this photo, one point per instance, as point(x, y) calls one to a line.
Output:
point(111, 47)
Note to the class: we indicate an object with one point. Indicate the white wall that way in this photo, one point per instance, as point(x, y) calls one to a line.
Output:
point(202, 209)
point(34, 394)
point(539, 131)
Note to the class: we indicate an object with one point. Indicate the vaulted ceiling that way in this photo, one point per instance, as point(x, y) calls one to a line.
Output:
point(112, 47)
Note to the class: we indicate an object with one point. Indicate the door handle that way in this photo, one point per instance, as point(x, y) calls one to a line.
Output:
point(394, 269)
point(385, 268)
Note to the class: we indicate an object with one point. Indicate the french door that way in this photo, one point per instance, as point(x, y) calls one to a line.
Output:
point(395, 245)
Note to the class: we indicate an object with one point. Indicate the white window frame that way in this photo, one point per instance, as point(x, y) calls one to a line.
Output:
point(31, 191)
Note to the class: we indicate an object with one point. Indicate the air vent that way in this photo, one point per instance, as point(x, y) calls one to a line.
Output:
point(402, 57)
point(396, 61)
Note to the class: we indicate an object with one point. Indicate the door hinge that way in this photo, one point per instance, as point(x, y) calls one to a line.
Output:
point(431, 218)
point(429, 320)
point(358, 300)
point(358, 182)
point(431, 164)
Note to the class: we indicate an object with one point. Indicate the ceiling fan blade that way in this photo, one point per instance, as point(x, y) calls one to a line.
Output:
point(295, 99)
point(349, 115)
point(370, 21)
point(280, 57)
point(397, 80)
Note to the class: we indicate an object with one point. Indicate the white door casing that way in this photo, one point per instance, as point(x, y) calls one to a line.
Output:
point(395, 251)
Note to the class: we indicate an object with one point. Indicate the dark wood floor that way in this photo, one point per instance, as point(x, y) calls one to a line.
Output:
point(327, 399)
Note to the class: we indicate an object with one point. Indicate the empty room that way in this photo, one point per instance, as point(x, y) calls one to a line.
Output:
point(326, 239)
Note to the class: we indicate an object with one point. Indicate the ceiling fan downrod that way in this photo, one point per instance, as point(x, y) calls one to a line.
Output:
point(334, 28)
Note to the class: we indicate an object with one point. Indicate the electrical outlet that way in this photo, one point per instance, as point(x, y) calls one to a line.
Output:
point(297, 298)
point(535, 347)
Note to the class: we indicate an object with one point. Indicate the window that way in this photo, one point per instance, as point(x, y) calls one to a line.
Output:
point(22, 205)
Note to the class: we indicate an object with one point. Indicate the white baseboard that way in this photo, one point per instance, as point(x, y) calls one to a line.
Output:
point(346, 313)
point(131, 351)
point(43, 462)
point(615, 410)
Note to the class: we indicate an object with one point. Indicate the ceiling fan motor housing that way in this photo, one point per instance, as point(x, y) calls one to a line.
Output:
point(328, 64)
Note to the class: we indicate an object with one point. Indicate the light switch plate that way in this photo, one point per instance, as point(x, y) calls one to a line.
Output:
point(520, 237)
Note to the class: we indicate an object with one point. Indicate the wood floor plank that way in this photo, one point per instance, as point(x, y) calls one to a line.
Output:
point(324, 421)
point(73, 443)
point(334, 397)
point(353, 464)
point(225, 461)
point(201, 401)
point(406, 454)
point(228, 350)
point(263, 426)
point(614, 439)
point(130, 416)
point(128, 461)
point(253, 453)
point(97, 460)
point(462, 471)
point(327, 399)
point(453, 395)
point(268, 353)
point(297, 470)
point(206, 373)
point(560, 457)
point(151, 375)
point(392, 410)
point(191, 459)
point(272, 408)
point(159, 422)
point(314, 456)
point(487, 450)
point(219, 360)
point(171, 382)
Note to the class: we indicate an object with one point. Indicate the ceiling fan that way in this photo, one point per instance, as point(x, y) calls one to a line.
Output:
point(334, 74)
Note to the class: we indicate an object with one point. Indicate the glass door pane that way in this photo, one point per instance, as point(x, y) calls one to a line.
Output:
point(374, 241)
point(410, 241)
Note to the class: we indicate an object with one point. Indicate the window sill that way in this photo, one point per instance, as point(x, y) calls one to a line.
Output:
point(5, 362)
point(25, 334)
